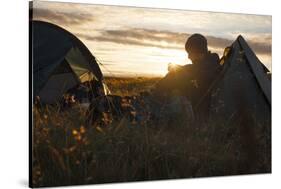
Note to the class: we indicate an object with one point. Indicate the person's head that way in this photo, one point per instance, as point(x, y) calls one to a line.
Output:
point(196, 47)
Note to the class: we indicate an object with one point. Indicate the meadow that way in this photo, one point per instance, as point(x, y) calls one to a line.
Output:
point(67, 151)
point(130, 86)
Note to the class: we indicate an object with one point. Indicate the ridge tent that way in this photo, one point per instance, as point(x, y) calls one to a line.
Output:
point(60, 61)
point(243, 87)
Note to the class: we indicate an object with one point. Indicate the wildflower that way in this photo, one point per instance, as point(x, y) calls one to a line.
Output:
point(82, 129)
point(78, 137)
point(74, 132)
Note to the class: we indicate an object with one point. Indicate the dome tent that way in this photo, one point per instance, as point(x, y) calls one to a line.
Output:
point(60, 61)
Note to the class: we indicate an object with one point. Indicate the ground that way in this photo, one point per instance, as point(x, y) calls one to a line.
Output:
point(130, 86)
point(67, 151)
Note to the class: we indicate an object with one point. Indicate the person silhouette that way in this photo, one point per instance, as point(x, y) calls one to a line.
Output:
point(205, 64)
point(192, 80)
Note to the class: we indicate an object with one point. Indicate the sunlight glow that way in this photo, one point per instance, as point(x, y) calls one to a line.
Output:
point(142, 42)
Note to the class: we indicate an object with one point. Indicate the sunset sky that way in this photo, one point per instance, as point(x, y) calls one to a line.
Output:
point(133, 41)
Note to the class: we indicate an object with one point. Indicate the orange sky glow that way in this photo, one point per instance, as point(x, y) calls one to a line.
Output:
point(132, 41)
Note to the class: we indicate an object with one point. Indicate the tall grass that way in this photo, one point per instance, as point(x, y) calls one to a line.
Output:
point(66, 151)
point(130, 86)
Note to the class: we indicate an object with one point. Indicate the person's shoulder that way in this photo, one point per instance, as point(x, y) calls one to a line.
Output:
point(187, 66)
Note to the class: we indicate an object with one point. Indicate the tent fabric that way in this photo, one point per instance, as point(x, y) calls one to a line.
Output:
point(242, 86)
point(53, 49)
point(77, 62)
point(64, 67)
point(257, 68)
point(56, 86)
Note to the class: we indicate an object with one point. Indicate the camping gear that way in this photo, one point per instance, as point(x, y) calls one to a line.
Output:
point(60, 61)
point(242, 88)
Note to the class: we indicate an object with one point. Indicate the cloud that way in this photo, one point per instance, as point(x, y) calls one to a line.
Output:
point(59, 17)
point(140, 37)
point(261, 48)
point(260, 42)
point(174, 40)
